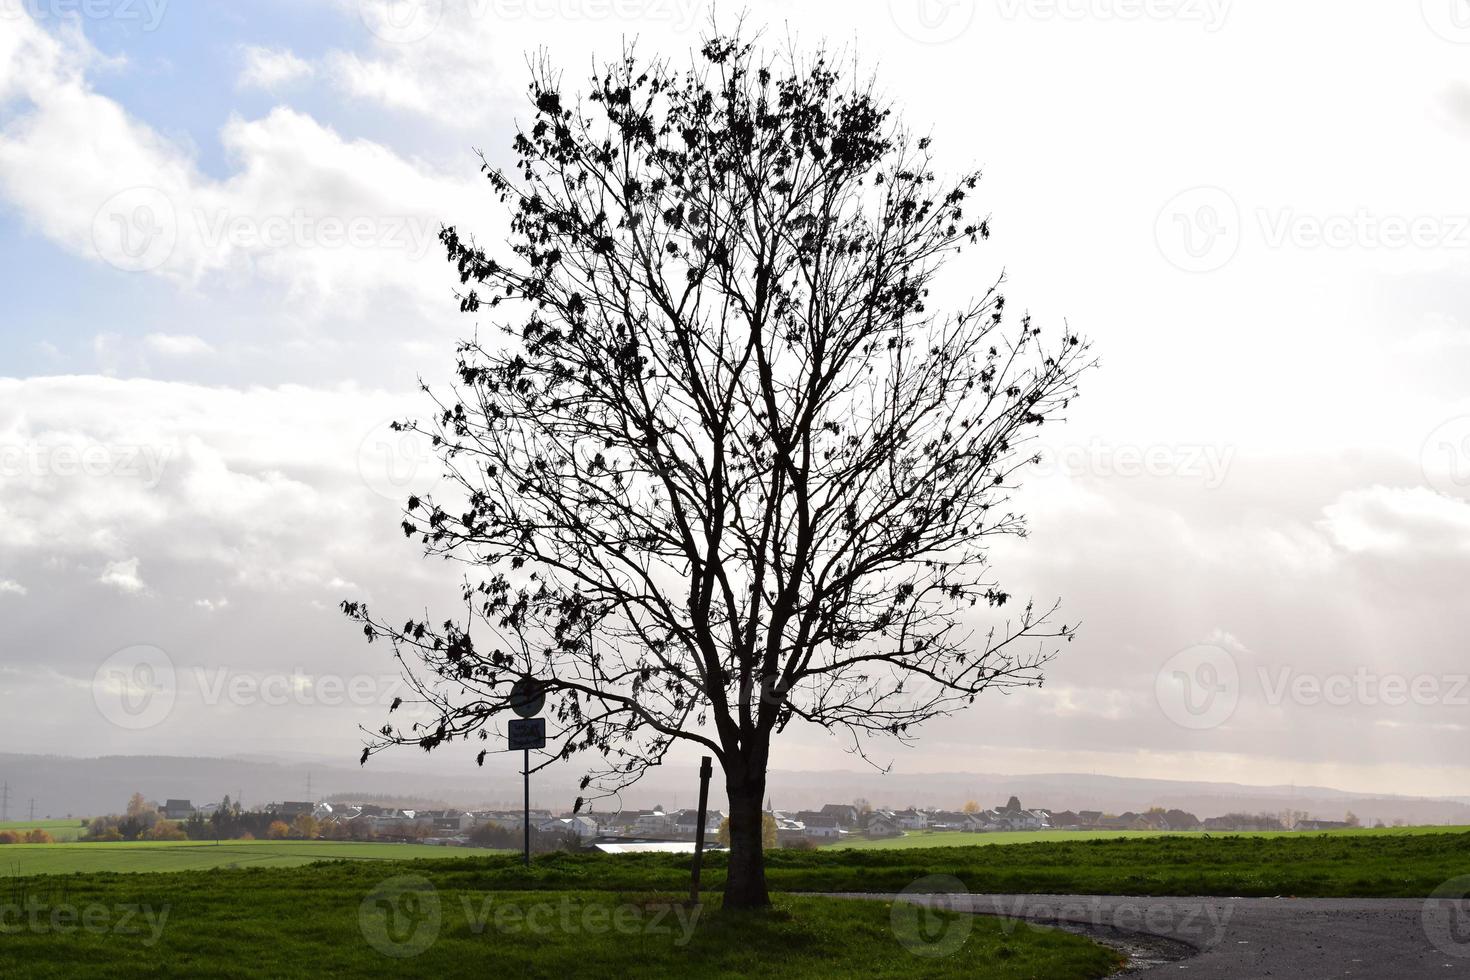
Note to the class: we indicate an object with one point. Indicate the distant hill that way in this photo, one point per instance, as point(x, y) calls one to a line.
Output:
point(65, 786)
point(1114, 794)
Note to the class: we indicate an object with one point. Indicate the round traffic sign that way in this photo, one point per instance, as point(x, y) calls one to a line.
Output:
point(526, 697)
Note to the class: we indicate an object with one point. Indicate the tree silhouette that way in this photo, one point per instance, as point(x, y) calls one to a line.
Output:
point(721, 467)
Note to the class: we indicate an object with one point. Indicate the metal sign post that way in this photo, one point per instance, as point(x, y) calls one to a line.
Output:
point(705, 771)
point(526, 734)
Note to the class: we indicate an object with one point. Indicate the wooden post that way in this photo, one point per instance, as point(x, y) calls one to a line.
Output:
point(526, 770)
point(705, 771)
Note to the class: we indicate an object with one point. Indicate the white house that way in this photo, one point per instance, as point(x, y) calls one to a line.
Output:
point(949, 820)
point(788, 829)
point(686, 822)
point(912, 819)
point(847, 815)
point(581, 826)
point(819, 827)
point(391, 822)
point(653, 824)
point(984, 820)
point(882, 825)
point(1012, 816)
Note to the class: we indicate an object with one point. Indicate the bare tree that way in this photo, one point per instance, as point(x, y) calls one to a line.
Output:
point(721, 467)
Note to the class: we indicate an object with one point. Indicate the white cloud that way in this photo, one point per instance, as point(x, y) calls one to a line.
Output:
point(271, 68)
point(332, 219)
point(123, 576)
point(177, 345)
point(1409, 522)
point(1455, 104)
point(106, 351)
point(11, 587)
point(1438, 334)
point(281, 496)
point(275, 488)
point(459, 64)
point(47, 676)
point(31, 58)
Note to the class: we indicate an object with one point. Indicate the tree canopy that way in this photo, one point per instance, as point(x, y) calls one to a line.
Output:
point(718, 462)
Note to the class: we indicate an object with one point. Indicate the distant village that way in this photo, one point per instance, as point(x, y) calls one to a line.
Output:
point(674, 829)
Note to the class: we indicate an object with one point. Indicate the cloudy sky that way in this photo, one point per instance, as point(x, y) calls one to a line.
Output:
point(220, 281)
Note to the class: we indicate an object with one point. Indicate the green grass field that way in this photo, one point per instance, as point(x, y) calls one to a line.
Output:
point(561, 916)
point(1364, 863)
point(61, 830)
point(1325, 865)
point(960, 838)
point(144, 856)
point(359, 919)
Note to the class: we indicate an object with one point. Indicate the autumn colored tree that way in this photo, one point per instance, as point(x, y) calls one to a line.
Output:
point(139, 805)
point(724, 464)
point(166, 830)
point(768, 831)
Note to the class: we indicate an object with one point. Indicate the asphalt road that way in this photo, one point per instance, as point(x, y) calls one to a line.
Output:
point(1229, 938)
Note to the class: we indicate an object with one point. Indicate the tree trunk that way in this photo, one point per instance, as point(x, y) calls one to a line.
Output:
point(745, 887)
